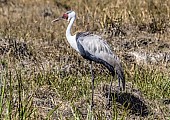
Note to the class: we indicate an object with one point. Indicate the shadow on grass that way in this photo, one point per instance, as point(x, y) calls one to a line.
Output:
point(131, 102)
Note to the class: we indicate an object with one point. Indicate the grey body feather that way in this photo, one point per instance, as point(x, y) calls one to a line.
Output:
point(94, 48)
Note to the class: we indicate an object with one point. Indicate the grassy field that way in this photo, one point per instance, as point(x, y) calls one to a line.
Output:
point(42, 77)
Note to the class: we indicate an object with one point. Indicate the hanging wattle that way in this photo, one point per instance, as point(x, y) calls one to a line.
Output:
point(71, 39)
point(68, 31)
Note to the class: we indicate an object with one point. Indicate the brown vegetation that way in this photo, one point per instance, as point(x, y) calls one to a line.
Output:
point(42, 77)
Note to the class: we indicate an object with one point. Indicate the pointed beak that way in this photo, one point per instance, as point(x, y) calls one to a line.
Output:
point(55, 20)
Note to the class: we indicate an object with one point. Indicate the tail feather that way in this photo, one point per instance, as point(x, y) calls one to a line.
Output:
point(114, 67)
point(120, 75)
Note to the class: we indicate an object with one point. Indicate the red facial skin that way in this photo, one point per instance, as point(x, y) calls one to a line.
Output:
point(65, 16)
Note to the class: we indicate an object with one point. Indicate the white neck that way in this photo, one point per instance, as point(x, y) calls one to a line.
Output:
point(71, 39)
point(68, 31)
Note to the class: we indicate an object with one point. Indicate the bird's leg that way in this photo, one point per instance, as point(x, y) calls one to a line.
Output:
point(109, 95)
point(110, 89)
point(92, 80)
point(119, 84)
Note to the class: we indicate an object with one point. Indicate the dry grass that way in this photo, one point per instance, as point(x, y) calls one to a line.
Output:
point(42, 77)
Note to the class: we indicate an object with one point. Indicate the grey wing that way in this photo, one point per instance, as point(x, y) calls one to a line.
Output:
point(97, 47)
point(93, 47)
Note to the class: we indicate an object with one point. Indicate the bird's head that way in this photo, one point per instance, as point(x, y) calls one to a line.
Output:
point(67, 16)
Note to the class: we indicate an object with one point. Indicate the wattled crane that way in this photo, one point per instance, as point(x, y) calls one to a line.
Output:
point(93, 48)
